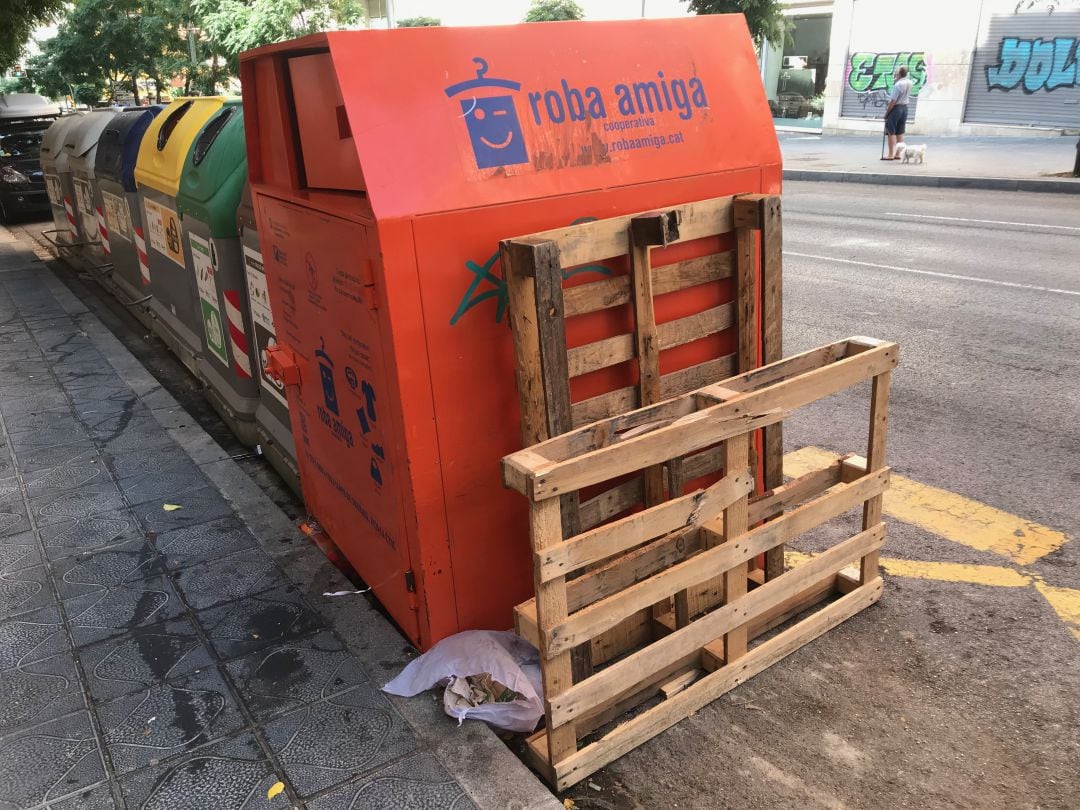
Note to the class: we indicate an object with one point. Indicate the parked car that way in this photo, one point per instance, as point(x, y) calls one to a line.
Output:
point(24, 117)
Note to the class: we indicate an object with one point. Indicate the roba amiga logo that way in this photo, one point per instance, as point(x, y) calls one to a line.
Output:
point(632, 112)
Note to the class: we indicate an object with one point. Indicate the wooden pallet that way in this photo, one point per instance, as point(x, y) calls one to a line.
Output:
point(710, 533)
point(726, 233)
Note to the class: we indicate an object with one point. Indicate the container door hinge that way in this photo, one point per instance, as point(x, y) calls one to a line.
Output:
point(410, 587)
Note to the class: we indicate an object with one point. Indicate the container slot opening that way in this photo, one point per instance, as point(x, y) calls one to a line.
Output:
point(170, 124)
point(209, 135)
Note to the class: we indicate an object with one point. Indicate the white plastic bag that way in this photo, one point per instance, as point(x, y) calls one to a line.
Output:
point(503, 655)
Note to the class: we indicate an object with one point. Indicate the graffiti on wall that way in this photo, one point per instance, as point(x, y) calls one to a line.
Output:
point(1034, 65)
point(869, 81)
point(868, 71)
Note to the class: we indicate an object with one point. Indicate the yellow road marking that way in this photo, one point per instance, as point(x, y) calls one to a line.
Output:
point(949, 515)
point(1065, 602)
point(994, 575)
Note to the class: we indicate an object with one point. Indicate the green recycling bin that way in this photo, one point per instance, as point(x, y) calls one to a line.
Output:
point(81, 144)
point(173, 305)
point(211, 184)
point(114, 172)
point(272, 415)
point(58, 181)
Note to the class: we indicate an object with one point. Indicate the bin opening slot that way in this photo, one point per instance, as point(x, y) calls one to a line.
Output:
point(210, 133)
point(170, 124)
point(325, 149)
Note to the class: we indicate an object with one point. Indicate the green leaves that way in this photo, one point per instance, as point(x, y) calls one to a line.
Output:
point(20, 18)
point(419, 22)
point(554, 11)
point(764, 18)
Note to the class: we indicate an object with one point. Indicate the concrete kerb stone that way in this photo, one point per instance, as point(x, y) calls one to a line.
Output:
point(935, 181)
point(473, 755)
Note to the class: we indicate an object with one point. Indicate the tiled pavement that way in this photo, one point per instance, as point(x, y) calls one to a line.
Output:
point(162, 658)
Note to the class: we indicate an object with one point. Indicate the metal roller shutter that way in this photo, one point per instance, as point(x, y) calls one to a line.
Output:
point(1024, 71)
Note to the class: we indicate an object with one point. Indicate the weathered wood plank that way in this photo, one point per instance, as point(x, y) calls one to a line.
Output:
point(875, 460)
point(604, 238)
point(572, 468)
point(591, 436)
point(681, 513)
point(667, 278)
point(772, 349)
point(557, 675)
point(736, 524)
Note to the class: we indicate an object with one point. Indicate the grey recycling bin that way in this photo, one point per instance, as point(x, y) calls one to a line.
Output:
point(114, 171)
point(173, 305)
point(81, 144)
point(272, 415)
point(58, 181)
point(211, 184)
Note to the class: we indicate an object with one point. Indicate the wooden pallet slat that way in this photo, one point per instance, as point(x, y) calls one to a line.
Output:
point(607, 293)
point(681, 514)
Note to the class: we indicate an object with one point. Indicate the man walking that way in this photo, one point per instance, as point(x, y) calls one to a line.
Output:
point(896, 112)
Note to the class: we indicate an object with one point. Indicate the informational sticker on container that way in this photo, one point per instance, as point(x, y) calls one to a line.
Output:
point(265, 334)
point(203, 260)
point(163, 229)
point(84, 196)
point(117, 215)
point(52, 188)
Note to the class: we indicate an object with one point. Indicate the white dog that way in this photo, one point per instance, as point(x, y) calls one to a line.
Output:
point(911, 154)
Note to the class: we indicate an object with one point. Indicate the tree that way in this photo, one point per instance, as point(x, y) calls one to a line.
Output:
point(554, 11)
point(104, 46)
point(20, 18)
point(234, 26)
point(764, 18)
point(419, 22)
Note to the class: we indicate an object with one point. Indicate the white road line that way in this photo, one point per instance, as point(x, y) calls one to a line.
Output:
point(982, 221)
point(952, 276)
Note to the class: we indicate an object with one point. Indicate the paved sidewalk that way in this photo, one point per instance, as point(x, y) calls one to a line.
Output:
point(1027, 164)
point(162, 657)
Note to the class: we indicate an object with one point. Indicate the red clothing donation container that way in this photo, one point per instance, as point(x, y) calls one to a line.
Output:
point(386, 166)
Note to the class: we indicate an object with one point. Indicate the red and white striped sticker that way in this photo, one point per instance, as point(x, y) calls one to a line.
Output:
point(103, 231)
point(144, 260)
point(241, 362)
point(70, 210)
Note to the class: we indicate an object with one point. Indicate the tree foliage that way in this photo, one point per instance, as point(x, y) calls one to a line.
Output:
point(554, 11)
point(104, 48)
point(419, 22)
point(764, 18)
point(18, 19)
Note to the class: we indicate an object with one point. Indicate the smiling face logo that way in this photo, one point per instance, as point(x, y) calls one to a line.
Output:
point(492, 121)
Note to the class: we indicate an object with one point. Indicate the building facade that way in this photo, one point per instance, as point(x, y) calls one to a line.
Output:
point(979, 67)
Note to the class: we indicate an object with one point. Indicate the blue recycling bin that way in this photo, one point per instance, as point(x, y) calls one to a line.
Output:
point(114, 170)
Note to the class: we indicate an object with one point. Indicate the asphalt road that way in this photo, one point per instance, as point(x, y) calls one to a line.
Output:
point(945, 693)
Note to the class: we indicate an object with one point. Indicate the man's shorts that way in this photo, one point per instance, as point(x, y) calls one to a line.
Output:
point(896, 120)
